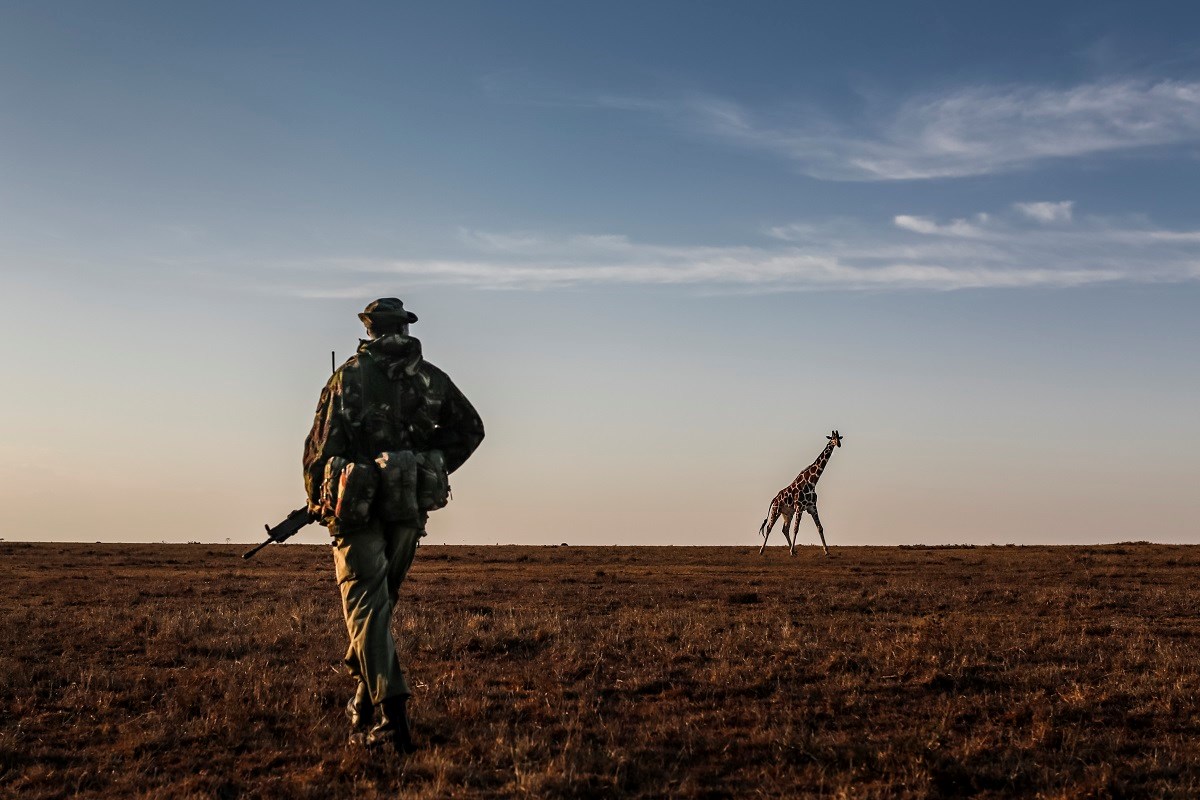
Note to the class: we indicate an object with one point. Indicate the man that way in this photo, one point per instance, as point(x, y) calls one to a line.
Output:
point(384, 409)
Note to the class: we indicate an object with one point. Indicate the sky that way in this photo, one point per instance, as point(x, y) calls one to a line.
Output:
point(664, 248)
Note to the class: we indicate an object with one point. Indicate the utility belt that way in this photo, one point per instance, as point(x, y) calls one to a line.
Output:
point(398, 486)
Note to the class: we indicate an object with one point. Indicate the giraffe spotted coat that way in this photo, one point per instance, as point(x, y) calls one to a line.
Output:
point(798, 497)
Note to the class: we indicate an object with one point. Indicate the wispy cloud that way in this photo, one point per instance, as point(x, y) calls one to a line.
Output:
point(980, 251)
point(971, 131)
point(958, 227)
point(1047, 212)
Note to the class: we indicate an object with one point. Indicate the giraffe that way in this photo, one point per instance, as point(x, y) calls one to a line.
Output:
point(796, 498)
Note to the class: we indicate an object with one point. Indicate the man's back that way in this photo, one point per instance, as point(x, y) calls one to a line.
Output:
point(388, 398)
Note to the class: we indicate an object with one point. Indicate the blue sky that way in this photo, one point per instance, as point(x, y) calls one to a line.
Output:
point(664, 247)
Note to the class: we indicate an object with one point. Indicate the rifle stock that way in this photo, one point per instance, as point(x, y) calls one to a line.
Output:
point(291, 525)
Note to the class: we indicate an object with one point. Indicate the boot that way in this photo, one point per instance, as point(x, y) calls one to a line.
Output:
point(391, 727)
point(361, 713)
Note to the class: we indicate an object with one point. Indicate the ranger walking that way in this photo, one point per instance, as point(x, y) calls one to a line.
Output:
point(389, 429)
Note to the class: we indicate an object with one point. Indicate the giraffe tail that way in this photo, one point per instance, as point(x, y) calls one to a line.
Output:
point(763, 527)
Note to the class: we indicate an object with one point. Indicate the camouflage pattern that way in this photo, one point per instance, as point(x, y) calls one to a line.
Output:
point(387, 398)
point(331, 484)
point(398, 486)
point(388, 429)
point(387, 308)
point(355, 493)
point(433, 489)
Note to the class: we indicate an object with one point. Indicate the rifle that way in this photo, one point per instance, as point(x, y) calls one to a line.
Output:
point(285, 530)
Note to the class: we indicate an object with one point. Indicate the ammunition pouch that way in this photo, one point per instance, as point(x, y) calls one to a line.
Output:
point(411, 484)
point(348, 491)
point(400, 486)
point(330, 483)
point(433, 483)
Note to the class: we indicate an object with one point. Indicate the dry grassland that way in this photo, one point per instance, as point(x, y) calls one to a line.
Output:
point(182, 671)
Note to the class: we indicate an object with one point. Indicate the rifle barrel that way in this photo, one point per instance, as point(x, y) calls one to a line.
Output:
point(250, 553)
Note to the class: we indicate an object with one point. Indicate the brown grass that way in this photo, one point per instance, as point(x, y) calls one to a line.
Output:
point(182, 671)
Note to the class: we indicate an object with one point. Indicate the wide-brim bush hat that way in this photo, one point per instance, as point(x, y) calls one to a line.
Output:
point(387, 309)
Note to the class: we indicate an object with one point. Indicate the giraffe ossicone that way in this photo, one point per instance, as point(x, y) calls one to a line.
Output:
point(797, 497)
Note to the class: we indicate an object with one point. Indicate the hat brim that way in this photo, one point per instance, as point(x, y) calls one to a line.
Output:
point(407, 316)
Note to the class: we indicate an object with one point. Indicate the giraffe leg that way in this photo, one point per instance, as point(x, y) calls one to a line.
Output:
point(796, 515)
point(812, 512)
point(768, 523)
point(787, 513)
point(787, 521)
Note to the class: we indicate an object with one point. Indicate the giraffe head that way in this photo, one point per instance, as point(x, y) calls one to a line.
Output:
point(836, 438)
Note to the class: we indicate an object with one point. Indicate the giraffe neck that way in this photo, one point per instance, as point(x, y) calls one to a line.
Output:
point(814, 470)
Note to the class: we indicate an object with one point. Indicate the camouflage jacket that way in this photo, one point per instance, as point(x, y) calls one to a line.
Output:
point(384, 398)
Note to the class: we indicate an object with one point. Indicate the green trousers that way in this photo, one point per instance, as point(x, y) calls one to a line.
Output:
point(371, 561)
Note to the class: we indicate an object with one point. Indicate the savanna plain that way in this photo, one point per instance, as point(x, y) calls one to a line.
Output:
point(183, 671)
